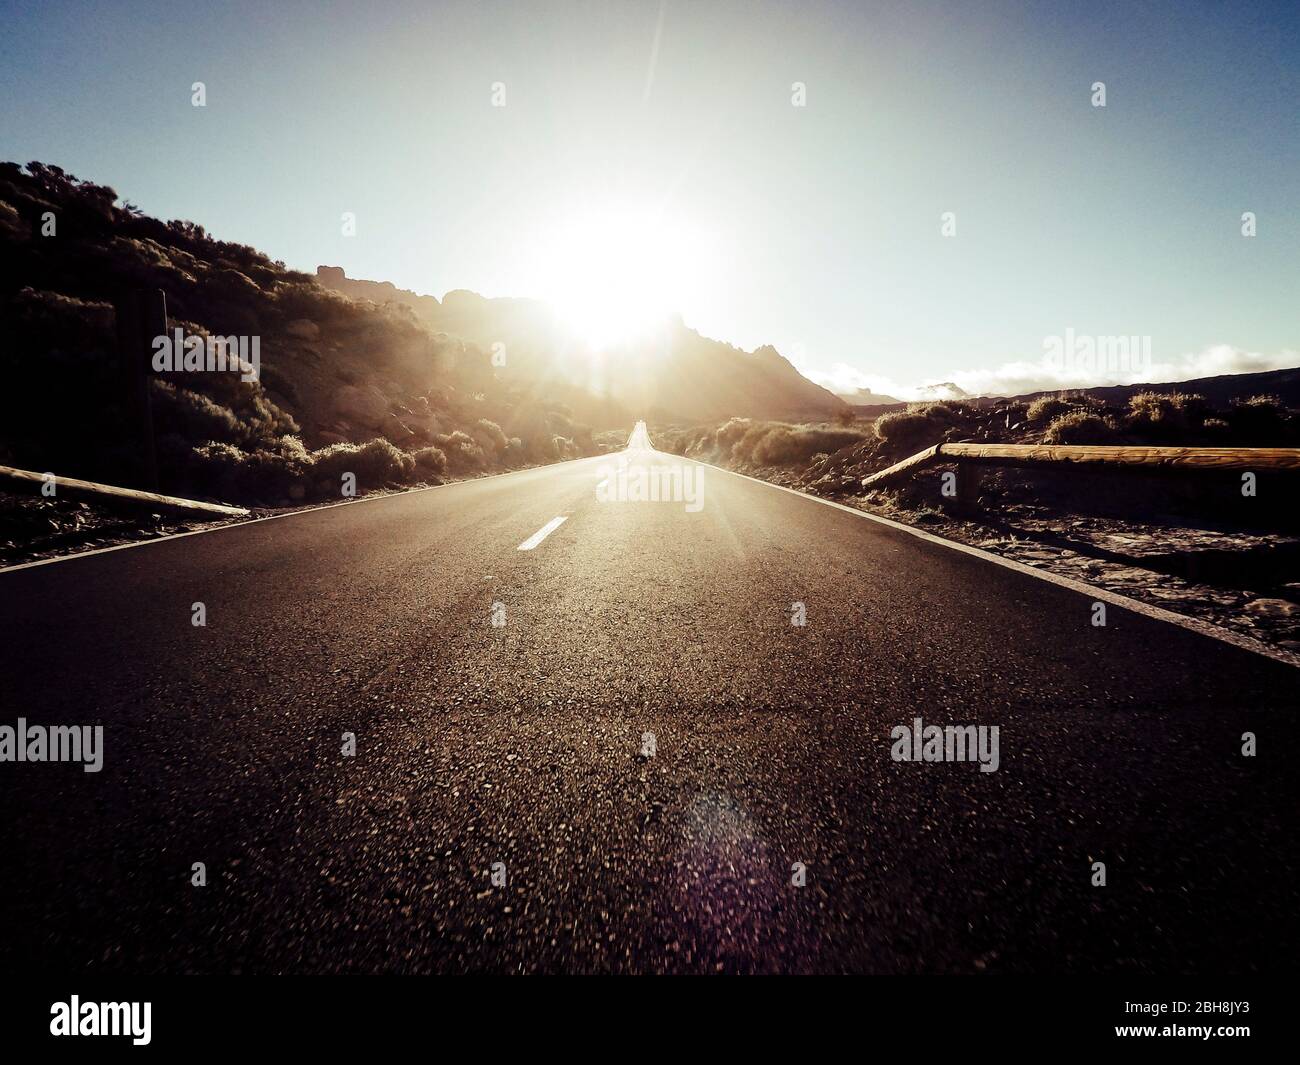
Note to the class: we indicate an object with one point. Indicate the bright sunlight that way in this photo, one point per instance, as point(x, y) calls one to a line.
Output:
point(613, 274)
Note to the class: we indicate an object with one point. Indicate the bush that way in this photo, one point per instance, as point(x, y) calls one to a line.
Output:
point(743, 449)
point(1260, 421)
point(1079, 427)
point(490, 437)
point(776, 447)
point(430, 461)
point(376, 464)
point(773, 443)
point(785, 445)
point(515, 453)
point(192, 416)
point(1046, 409)
point(275, 475)
point(1166, 416)
point(946, 411)
point(463, 452)
point(908, 429)
point(730, 433)
point(218, 471)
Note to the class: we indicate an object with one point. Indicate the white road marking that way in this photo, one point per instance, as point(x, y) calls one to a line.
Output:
point(542, 533)
point(602, 484)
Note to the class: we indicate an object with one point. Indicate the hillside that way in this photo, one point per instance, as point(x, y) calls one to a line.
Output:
point(345, 385)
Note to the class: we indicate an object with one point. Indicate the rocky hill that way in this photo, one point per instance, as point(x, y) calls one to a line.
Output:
point(678, 375)
point(345, 384)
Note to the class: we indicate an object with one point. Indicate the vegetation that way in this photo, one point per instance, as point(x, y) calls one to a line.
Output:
point(346, 385)
point(1079, 427)
point(831, 459)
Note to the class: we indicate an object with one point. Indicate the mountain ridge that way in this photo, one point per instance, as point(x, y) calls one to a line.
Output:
point(679, 374)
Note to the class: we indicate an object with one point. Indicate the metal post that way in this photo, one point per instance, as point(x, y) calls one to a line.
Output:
point(141, 316)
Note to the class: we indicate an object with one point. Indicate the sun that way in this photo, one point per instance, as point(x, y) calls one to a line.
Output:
point(613, 274)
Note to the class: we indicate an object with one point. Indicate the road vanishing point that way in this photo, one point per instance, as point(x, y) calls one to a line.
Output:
point(588, 737)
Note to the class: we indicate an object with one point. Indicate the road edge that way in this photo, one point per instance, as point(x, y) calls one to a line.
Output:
point(1105, 595)
point(287, 514)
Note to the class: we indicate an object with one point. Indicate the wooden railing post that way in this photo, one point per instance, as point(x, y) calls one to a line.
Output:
point(968, 488)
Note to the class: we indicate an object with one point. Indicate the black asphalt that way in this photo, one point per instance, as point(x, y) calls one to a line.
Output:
point(522, 744)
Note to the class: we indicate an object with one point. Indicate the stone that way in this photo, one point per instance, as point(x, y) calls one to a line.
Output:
point(1272, 608)
point(303, 329)
point(362, 404)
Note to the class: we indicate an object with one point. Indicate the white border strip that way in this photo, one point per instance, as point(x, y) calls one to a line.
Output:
point(1136, 606)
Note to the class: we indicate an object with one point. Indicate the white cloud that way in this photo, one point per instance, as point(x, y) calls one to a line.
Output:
point(1016, 378)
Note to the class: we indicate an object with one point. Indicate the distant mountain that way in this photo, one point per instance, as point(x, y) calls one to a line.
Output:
point(678, 375)
point(864, 397)
point(940, 391)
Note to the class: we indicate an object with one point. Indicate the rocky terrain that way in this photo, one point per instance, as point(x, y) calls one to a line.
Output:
point(32, 528)
point(675, 375)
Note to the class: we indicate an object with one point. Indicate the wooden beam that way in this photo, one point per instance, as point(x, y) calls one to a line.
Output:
point(1173, 459)
point(1153, 458)
point(901, 469)
point(71, 487)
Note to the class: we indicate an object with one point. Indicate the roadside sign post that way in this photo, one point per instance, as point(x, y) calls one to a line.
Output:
point(141, 316)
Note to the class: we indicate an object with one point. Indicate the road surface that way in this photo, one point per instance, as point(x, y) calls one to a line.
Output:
point(525, 743)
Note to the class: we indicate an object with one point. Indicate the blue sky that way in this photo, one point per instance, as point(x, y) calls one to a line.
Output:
point(813, 228)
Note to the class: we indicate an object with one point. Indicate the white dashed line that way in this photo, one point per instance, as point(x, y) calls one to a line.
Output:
point(542, 533)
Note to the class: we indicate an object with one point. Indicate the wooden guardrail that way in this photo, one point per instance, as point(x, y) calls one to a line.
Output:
point(73, 488)
point(1179, 459)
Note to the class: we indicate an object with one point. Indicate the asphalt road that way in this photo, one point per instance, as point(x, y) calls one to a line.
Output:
point(522, 743)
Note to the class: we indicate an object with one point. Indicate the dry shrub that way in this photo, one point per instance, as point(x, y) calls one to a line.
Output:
point(1046, 409)
point(784, 445)
point(490, 437)
point(1260, 421)
point(377, 464)
point(1166, 415)
point(463, 452)
point(193, 416)
point(1079, 427)
point(908, 430)
point(730, 433)
point(430, 462)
